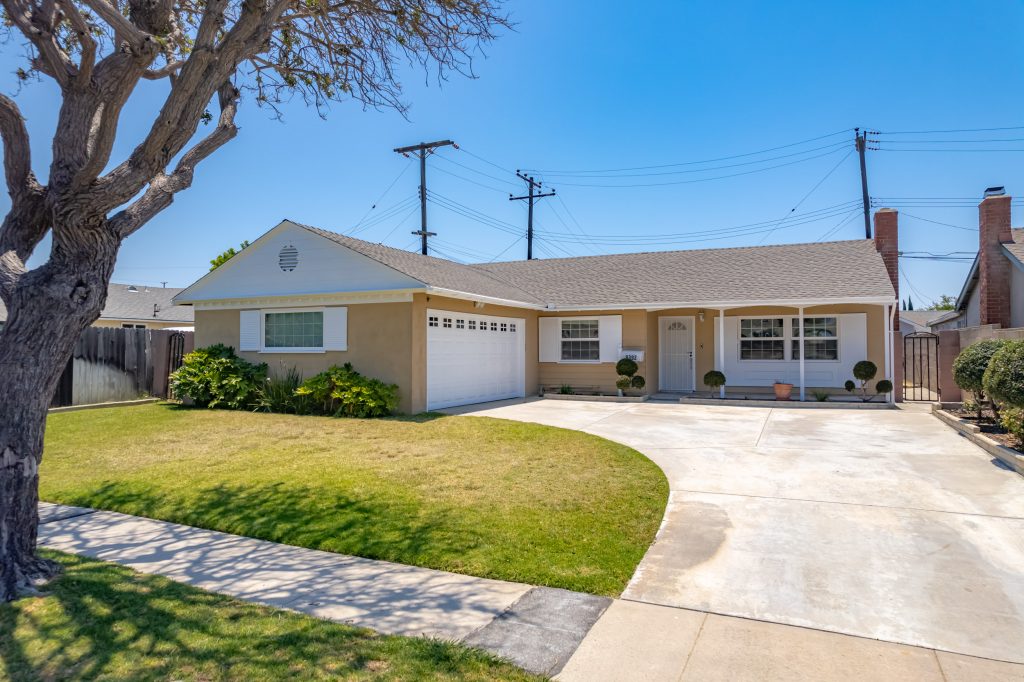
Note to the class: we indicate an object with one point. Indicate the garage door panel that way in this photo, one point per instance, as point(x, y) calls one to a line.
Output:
point(473, 358)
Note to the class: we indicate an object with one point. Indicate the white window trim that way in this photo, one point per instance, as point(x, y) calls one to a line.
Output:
point(563, 320)
point(788, 337)
point(279, 349)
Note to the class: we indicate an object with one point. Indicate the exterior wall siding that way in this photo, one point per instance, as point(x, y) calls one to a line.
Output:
point(1017, 297)
point(150, 324)
point(380, 336)
point(598, 376)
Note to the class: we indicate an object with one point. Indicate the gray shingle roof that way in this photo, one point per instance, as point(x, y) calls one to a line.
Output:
point(135, 302)
point(1017, 247)
point(822, 271)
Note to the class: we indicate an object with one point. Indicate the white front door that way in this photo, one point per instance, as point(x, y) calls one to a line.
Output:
point(675, 341)
point(474, 358)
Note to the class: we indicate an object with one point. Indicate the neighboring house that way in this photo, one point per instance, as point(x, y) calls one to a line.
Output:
point(916, 321)
point(451, 334)
point(993, 293)
point(139, 307)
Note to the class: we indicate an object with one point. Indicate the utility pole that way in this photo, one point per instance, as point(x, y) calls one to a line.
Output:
point(421, 150)
point(530, 196)
point(861, 148)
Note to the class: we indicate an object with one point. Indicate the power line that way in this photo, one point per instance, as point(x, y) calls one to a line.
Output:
point(401, 222)
point(850, 216)
point(383, 194)
point(480, 172)
point(503, 251)
point(936, 222)
point(932, 132)
point(809, 193)
point(471, 181)
point(386, 214)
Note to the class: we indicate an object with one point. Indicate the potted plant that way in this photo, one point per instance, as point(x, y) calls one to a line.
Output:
point(714, 379)
point(628, 377)
point(783, 391)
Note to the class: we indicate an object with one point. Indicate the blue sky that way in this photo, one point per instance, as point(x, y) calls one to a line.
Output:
point(584, 86)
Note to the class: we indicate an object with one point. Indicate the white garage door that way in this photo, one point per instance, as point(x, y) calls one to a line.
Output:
point(474, 358)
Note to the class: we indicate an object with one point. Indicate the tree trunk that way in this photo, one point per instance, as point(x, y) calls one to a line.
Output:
point(47, 311)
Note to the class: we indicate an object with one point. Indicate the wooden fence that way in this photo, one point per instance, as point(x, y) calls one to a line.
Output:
point(110, 364)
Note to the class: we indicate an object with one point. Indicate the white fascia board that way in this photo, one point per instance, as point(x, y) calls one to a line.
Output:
point(305, 301)
point(452, 293)
point(789, 303)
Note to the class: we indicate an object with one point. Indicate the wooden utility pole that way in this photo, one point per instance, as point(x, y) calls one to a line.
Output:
point(861, 148)
point(530, 196)
point(421, 150)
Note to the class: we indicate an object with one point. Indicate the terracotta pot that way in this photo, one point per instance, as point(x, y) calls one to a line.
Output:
point(783, 391)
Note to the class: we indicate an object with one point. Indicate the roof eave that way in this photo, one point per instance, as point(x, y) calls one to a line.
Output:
point(788, 303)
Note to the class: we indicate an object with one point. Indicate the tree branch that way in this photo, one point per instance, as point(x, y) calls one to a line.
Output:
point(37, 24)
point(88, 57)
point(17, 151)
point(119, 23)
point(160, 193)
point(169, 69)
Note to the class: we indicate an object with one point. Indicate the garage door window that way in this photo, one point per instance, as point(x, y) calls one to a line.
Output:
point(580, 341)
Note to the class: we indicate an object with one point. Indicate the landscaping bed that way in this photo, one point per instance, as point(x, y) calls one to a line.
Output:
point(472, 495)
point(102, 621)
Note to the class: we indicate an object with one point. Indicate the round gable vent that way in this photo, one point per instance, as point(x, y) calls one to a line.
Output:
point(288, 259)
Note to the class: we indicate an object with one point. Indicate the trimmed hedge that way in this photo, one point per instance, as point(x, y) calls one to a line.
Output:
point(1004, 378)
point(970, 365)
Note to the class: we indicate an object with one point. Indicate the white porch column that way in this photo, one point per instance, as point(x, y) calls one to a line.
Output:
point(720, 343)
point(889, 340)
point(803, 395)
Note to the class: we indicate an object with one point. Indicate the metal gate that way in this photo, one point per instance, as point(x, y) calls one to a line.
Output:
point(175, 355)
point(921, 367)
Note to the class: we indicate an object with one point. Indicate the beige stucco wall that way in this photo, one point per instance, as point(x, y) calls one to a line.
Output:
point(154, 324)
point(379, 345)
point(418, 346)
point(1016, 297)
point(597, 376)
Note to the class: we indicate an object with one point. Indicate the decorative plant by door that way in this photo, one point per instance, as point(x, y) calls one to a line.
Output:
point(628, 377)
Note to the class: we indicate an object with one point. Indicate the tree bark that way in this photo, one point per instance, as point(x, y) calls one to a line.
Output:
point(47, 311)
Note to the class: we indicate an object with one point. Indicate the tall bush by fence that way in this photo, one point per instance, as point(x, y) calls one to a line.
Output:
point(110, 364)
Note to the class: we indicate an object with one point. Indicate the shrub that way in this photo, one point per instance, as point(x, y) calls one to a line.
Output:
point(714, 379)
point(277, 394)
point(566, 389)
point(849, 386)
point(820, 395)
point(623, 383)
point(626, 367)
point(864, 371)
point(970, 365)
point(1004, 378)
point(884, 386)
point(638, 382)
point(1012, 419)
point(344, 392)
point(215, 377)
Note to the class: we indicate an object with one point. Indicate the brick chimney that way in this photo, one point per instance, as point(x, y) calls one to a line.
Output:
point(993, 265)
point(887, 243)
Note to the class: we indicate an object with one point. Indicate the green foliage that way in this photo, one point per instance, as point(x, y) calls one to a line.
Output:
point(277, 394)
point(626, 367)
point(566, 389)
point(883, 387)
point(714, 379)
point(945, 302)
point(225, 256)
point(849, 386)
point(623, 383)
point(820, 395)
point(970, 365)
point(1004, 378)
point(865, 370)
point(344, 392)
point(638, 382)
point(1012, 419)
point(217, 378)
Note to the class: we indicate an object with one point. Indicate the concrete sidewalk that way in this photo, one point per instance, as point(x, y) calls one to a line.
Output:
point(536, 628)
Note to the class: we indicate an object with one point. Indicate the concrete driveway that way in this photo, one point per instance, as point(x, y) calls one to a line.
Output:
point(881, 524)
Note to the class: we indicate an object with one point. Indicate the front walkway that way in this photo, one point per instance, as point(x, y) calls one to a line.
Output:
point(881, 524)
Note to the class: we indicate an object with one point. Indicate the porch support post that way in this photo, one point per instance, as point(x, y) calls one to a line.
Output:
point(720, 344)
point(803, 395)
point(889, 342)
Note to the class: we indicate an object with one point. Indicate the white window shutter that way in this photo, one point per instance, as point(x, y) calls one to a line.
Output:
point(610, 334)
point(249, 330)
point(550, 339)
point(335, 328)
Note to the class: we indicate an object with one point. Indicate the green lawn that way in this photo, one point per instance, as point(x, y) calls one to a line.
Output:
point(99, 621)
point(478, 496)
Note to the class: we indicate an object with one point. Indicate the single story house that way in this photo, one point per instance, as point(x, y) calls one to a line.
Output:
point(450, 334)
point(993, 292)
point(138, 307)
point(919, 321)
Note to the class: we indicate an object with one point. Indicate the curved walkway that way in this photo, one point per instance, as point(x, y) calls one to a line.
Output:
point(880, 524)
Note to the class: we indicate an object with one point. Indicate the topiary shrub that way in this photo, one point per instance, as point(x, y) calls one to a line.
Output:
point(883, 387)
point(714, 379)
point(623, 383)
point(626, 367)
point(849, 386)
point(217, 378)
point(864, 371)
point(344, 392)
point(1004, 378)
point(1012, 419)
point(970, 365)
point(638, 382)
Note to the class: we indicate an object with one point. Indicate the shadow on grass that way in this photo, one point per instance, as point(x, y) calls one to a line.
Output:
point(388, 527)
point(420, 418)
point(103, 621)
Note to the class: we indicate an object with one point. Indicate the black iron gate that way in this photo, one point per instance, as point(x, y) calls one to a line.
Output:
point(175, 356)
point(921, 367)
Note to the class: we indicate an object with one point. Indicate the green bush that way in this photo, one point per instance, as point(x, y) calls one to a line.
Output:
point(215, 377)
point(849, 385)
point(820, 395)
point(864, 371)
point(277, 394)
point(344, 392)
point(1012, 419)
point(883, 387)
point(638, 382)
point(626, 367)
point(714, 379)
point(1004, 378)
point(970, 365)
point(623, 383)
